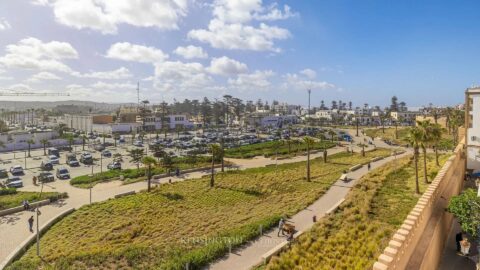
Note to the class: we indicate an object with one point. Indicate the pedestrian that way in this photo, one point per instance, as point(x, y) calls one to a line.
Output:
point(169, 180)
point(30, 224)
point(458, 238)
point(369, 166)
point(280, 226)
point(34, 180)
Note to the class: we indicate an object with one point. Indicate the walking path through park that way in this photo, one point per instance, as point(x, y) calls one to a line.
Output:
point(14, 228)
point(251, 254)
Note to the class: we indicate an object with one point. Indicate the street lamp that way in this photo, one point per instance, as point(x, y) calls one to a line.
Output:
point(37, 212)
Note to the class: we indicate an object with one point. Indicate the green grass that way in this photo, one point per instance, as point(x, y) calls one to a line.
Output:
point(136, 175)
point(357, 232)
point(267, 149)
point(10, 198)
point(446, 143)
point(185, 221)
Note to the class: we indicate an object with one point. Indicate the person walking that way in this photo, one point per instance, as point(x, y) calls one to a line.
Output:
point(369, 166)
point(30, 224)
point(280, 226)
point(34, 180)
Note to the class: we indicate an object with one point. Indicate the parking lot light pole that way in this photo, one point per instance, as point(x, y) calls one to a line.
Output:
point(101, 163)
point(25, 159)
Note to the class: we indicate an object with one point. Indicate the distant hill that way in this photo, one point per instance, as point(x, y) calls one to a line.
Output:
point(97, 106)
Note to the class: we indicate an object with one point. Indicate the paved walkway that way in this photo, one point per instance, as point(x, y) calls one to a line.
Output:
point(250, 255)
point(14, 228)
point(451, 260)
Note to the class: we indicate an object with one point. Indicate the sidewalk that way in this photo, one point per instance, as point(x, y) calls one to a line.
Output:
point(250, 255)
point(451, 260)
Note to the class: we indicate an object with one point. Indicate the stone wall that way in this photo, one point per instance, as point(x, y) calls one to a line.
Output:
point(419, 242)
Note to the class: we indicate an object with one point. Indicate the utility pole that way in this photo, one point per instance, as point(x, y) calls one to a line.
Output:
point(308, 112)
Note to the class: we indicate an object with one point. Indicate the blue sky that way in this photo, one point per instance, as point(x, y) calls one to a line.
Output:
point(359, 51)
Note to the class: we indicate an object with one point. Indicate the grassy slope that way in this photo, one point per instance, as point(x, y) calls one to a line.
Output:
point(133, 175)
point(185, 221)
point(16, 199)
point(446, 142)
point(267, 149)
point(354, 236)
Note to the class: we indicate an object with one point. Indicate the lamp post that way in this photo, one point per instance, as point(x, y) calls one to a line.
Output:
point(308, 112)
point(37, 212)
point(25, 159)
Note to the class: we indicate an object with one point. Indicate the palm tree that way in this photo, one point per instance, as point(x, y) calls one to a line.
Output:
point(84, 140)
point(414, 138)
point(425, 128)
point(363, 148)
point(44, 142)
point(215, 150)
point(332, 134)
point(436, 137)
point(222, 153)
point(70, 140)
point(30, 142)
point(116, 137)
point(309, 141)
point(148, 162)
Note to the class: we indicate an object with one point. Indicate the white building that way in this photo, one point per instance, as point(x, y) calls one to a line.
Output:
point(472, 124)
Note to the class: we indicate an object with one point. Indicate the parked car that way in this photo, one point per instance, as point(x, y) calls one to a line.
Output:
point(99, 147)
point(62, 173)
point(114, 166)
point(86, 158)
point(53, 151)
point(65, 148)
point(3, 173)
point(45, 177)
point(72, 160)
point(53, 159)
point(106, 153)
point(14, 182)
point(46, 166)
point(16, 169)
point(138, 144)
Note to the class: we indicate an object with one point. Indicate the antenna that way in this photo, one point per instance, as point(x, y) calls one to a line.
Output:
point(138, 94)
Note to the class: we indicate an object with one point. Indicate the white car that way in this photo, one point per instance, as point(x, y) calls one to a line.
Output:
point(54, 159)
point(16, 169)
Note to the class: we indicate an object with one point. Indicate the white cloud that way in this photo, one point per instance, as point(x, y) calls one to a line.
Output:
point(120, 73)
point(114, 86)
point(243, 11)
point(42, 76)
point(231, 26)
point(191, 52)
point(4, 25)
point(226, 66)
point(239, 36)
point(309, 73)
point(137, 53)
point(302, 82)
point(259, 80)
point(20, 87)
point(184, 77)
point(106, 15)
point(32, 53)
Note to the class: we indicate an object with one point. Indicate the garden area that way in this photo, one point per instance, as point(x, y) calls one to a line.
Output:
point(446, 143)
point(10, 197)
point(269, 149)
point(185, 222)
point(136, 175)
point(359, 230)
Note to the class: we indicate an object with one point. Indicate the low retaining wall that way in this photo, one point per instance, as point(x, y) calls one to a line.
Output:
point(427, 222)
point(22, 248)
point(33, 205)
point(158, 176)
point(124, 194)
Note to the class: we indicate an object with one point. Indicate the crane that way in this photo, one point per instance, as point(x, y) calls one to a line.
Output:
point(13, 93)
